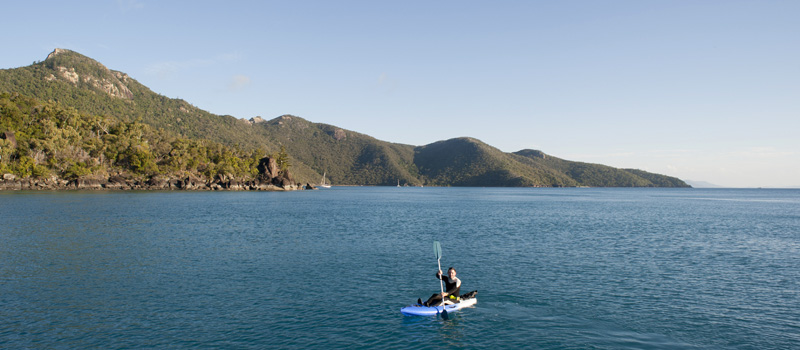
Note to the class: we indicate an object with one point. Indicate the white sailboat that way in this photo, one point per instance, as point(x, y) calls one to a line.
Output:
point(323, 184)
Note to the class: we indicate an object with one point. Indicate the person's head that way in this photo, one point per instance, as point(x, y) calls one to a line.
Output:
point(451, 272)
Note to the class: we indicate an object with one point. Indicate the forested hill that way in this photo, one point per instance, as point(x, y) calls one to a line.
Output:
point(69, 81)
point(79, 82)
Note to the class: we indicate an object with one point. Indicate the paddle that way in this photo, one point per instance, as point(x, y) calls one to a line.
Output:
point(437, 249)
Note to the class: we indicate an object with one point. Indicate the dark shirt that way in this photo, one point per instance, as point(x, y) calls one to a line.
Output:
point(450, 286)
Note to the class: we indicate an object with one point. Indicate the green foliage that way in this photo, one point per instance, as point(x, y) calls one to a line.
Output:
point(282, 159)
point(347, 157)
point(6, 149)
point(85, 117)
point(49, 80)
point(76, 170)
point(658, 180)
point(52, 139)
point(139, 159)
point(598, 175)
point(24, 166)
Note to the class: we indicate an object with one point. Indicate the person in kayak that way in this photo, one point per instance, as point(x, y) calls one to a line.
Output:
point(452, 288)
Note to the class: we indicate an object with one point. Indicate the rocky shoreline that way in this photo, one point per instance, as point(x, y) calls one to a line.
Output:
point(268, 179)
point(186, 184)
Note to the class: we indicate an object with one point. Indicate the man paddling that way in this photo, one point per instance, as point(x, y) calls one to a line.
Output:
point(452, 288)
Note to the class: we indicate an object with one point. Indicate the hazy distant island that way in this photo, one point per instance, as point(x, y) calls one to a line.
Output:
point(68, 122)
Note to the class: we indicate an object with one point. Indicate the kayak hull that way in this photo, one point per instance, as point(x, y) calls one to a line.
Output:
point(419, 310)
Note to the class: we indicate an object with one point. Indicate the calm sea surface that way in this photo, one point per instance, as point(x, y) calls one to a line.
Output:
point(554, 268)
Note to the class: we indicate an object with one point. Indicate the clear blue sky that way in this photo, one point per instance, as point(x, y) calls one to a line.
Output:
point(701, 90)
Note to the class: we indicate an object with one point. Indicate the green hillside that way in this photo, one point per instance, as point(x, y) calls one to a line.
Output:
point(46, 140)
point(598, 175)
point(77, 81)
point(71, 81)
point(348, 158)
point(469, 162)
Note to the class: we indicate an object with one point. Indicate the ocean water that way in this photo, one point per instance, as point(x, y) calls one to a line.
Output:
point(569, 268)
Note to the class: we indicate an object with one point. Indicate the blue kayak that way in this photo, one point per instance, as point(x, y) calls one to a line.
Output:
point(419, 310)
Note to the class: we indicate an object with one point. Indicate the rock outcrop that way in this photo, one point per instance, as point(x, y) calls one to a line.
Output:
point(9, 136)
point(101, 78)
point(56, 52)
point(256, 120)
point(267, 168)
point(270, 178)
point(339, 135)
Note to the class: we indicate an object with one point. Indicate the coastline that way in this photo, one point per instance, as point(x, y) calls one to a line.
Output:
point(186, 184)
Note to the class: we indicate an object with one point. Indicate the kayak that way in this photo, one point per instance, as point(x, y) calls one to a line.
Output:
point(419, 310)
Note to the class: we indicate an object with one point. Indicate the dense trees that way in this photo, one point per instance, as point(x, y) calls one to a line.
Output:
point(82, 120)
point(84, 84)
point(53, 140)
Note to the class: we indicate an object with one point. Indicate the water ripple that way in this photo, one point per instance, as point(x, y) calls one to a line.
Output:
point(555, 269)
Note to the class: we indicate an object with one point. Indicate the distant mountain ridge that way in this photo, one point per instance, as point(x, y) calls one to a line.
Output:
point(348, 157)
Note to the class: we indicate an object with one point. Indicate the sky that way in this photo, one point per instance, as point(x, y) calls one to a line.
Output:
point(700, 90)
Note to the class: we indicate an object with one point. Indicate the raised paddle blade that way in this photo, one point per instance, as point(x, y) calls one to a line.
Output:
point(437, 249)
